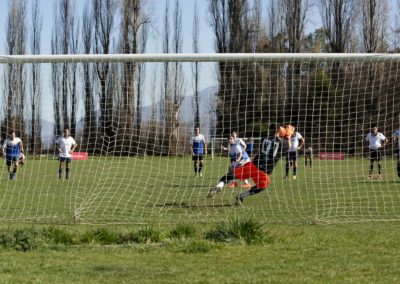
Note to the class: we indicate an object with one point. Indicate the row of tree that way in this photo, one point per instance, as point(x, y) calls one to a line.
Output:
point(333, 104)
point(327, 101)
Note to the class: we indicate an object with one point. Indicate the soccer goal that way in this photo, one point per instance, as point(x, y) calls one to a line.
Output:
point(132, 119)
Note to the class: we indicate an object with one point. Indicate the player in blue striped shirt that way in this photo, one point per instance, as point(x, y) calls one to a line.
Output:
point(199, 149)
point(12, 150)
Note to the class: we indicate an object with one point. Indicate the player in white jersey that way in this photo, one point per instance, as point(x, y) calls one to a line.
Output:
point(199, 149)
point(13, 148)
point(239, 158)
point(377, 141)
point(396, 139)
point(66, 146)
point(239, 141)
point(296, 141)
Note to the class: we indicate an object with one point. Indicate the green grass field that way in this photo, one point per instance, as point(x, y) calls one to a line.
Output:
point(163, 190)
point(327, 226)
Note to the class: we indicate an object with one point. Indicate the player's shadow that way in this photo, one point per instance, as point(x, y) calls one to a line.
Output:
point(185, 205)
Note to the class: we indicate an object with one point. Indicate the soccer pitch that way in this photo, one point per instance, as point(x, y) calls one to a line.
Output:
point(161, 190)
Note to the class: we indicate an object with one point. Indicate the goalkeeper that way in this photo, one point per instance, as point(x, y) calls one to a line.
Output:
point(259, 169)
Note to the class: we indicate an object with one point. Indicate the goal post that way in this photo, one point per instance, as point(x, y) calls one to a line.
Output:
point(133, 118)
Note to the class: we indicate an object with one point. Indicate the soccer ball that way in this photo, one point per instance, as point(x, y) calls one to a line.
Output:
point(22, 159)
point(286, 132)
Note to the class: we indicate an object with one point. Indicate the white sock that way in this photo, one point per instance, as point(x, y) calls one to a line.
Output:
point(220, 184)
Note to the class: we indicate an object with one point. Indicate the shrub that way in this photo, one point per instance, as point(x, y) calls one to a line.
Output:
point(183, 231)
point(147, 235)
point(59, 236)
point(101, 236)
point(246, 230)
point(25, 240)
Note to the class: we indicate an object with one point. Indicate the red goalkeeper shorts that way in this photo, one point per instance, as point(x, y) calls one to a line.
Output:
point(249, 170)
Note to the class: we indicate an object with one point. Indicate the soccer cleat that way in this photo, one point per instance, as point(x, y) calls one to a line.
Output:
point(246, 185)
point(213, 191)
point(294, 177)
point(380, 177)
point(369, 177)
point(239, 200)
point(233, 185)
point(285, 177)
point(201, 175)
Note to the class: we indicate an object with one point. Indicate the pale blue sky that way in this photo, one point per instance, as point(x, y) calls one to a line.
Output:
point(156, 8)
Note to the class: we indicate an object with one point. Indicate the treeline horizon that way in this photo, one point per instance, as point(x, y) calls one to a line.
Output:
point(332, 104)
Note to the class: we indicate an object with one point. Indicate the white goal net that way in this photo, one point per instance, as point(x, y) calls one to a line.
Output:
point(132, 118)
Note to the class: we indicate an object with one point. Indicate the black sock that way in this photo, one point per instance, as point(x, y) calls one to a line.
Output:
point(227, 178)
point(60, 172)
point(195, 169)
point(371, 168)
point(67, 172)
point(294, 171)
point(398, 169)
point(255, 190)
point(287, 168)
point(379, 169)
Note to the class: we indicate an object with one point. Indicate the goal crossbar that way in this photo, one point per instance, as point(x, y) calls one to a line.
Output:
point(200, 57)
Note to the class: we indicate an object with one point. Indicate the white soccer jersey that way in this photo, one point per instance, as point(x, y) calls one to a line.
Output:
point(198, 143)
point(397, 135)
point(239, 141)
point(235, 151)
point(294, 141)
point(65, 145)
point(375, 141)
point(12, 143)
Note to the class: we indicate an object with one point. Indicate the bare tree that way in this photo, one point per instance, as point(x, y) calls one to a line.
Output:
point(396, 27)
point(178, 82)
point(374, 25)
point(133, 20)
point(103, 15)
point(196, 65)
point(88, 95)
point(337, 19)
point(233, 26)
point(64, 40)
point(256, 29)
point(166, 96)
point(72, 72)
point(15, 74)
point(36, 29)
point(64, 28)
point(295, 12)
point(219, 22)
point(140, 84)
point(56, 76)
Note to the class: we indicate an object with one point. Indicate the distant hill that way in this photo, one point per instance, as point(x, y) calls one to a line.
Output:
point(207, 103)
point(207, 116)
